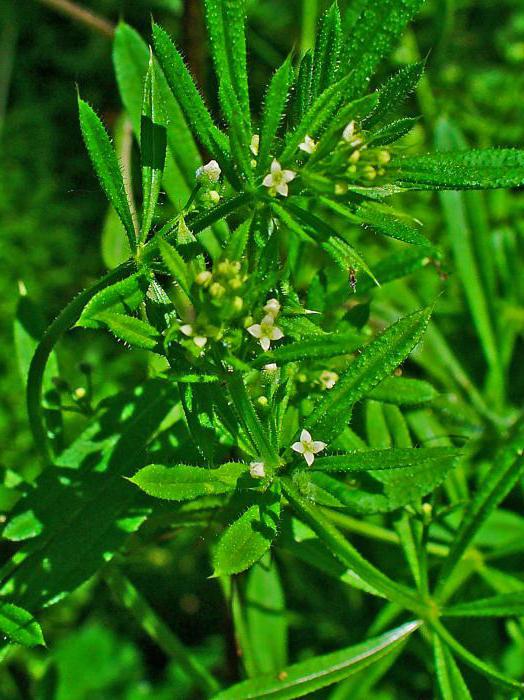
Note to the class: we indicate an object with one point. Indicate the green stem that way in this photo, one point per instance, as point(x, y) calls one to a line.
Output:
point(67, 318)
point(348, 555)
point(132, 600)
point(309, 21)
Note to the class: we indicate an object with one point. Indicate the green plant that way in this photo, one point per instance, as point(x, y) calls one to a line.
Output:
point(259, 358)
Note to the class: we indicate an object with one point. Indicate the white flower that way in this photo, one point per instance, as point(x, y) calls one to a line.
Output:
point(308, 145)
point(328, 379)
point(254, 145)
point(210, 172)
point(257, 470)
point(308, 447)
point(277, 179)
point(265, 332)
point(272, 307)
point(199, 340)
point(349, 132)
point(270, 367)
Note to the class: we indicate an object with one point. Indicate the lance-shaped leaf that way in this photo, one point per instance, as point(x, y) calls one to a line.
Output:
point(246, 540)
point(403, 392)
point(395, 266)
point(182, 482)
point(377, 361)
point(225, 23)
point(372, 36)
point(394, 91)
point(153, 143)
point(508, 466)
point(299, 680)
point(318, 347)
point(274, 109)
point(476, 169)
point(20, 626)
point(301, 99)
point(391, 458)
point(176, 264)
point(131, 330)
point(107, 167)
point(504, 605)
point(327, 50)
point(392, 132)
point(121, 297)
point(450, 681)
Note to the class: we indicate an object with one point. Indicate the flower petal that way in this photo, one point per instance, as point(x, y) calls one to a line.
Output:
point(276, 333)
point(298, 447)
point(318, 446)
point(275, 166)
point(288, 175)
point(186, 329)
point(265, 343)
point(255, 330)
point(282, 189)
point(305, 436)
point(309, 457)
point(268, 180)
point(200, 341)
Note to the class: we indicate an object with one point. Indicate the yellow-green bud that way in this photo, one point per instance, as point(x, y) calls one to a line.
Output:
point(369, 172)
point(217, 290)
point(203, 278)
point(354, 157)
point(384, 157)
point(238, 303)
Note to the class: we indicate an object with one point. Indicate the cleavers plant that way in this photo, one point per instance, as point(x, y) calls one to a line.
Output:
point(244, 299)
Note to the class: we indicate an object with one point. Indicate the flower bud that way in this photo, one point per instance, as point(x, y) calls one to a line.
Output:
point(217, 290)
point(203, 278)
point(208, 173)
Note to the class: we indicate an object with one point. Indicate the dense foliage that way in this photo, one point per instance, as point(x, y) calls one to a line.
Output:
point(304, 459)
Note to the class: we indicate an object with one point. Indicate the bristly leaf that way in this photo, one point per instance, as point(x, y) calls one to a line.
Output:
point(402, 391)
point(225, 22)
point(183, 483)
point(131, 330)
point(392, 458)
point(377, 361)
point(247, 540)
point(153, 144)
point(508, 465)
point(107, 168)
point(274, 109)
point(301, 100)
point(373, 35)
point(20, 626)
point(451, 683)
point(394, 91)
point(504, 605)
point(304, 678)
point(327, 50)
point(476, 169)
point(317, 347)
point(121, 297)
point(392, 132)
point(176, 264)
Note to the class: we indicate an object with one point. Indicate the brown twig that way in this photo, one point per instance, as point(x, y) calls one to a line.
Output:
point(82, 15)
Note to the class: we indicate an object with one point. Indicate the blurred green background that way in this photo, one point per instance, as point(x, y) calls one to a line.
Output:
point(52, 215)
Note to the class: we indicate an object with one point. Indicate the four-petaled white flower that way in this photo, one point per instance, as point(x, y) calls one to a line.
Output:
point(308, 145)
point(278, 179)
point(199, 340)
point(210, 171)
point(265, 332)
point(272, 307)
point(308, 447)
point(257, 470)
point(328, 379)
point(254, 145)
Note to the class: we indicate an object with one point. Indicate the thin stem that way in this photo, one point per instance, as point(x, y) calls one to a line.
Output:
point(83, 16)
point(126, 593)
point(67, 318)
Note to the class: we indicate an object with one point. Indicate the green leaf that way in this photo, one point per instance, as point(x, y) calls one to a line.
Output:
point(245, 541)
point(373, 35)
point(331, 415)
point(476, 169)
point(390, 458)
point(327, 50)
point(153, 144)
point(504, 605)
point(184, 89)
point(176, 265)
point(122, 297)
point(392, 132)
point(394, 91)
point(301, 99)
point(508, 465)
point(106, 166)
point(274, 110)
point(225, 23)
point(306, 677)
point(451, 683)
point(317, 347)
point(403, 392)
point(260, 617)
point(20, 626)
point(131, 330)
point(182, 482)
point(383, 220)
point(395, 266)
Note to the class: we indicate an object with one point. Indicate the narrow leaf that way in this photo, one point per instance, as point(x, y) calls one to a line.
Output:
point(20, 626)
point(274, 108)
point(504, 605)
point(122, 297)
point(131, 330)
point(451, 683)
point(390, 458)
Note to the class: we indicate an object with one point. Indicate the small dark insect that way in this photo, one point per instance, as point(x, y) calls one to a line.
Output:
point(353, 279)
